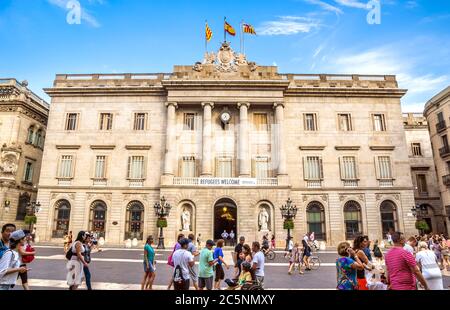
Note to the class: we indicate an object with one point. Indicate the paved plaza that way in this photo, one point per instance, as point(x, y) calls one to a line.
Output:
point(121, 269)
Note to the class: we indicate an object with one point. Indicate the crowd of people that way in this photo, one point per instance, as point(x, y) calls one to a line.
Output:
point(410, 264)
point(248, 265)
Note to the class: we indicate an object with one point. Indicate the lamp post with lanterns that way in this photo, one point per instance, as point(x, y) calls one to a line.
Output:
point(162, 211)
point(33, 207)
point(288, 212)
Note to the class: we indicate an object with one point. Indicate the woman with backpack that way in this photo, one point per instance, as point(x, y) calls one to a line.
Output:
point(10, 262)
point(26, 253)
point(177, 246)
point(76, 263)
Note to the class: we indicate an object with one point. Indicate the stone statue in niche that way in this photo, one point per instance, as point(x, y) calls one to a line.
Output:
point(264, 220)
point(186, 220)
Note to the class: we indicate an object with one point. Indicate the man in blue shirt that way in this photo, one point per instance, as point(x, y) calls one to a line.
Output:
point(218, 255)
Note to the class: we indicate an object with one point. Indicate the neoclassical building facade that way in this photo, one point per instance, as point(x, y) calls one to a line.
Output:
point(227, 143)
point(23, 122)
point(437, 113)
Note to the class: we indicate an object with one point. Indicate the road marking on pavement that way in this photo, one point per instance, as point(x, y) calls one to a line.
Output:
point(118, 286)
point(125, 260)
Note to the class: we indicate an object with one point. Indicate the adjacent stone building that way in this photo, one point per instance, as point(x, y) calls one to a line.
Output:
point(23, 121)
point(226, 142)
point(423, 172)
point(437, 112)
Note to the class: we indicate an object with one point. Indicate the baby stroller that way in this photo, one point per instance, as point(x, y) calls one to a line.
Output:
point(247, 286)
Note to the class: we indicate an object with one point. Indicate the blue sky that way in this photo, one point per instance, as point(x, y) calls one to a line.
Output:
point(300, 36)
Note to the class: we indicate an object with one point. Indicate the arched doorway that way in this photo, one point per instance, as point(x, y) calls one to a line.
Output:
point(315, 215)
point(388, 211)
point(427, 214)
point(225, 218)
point(135, 221)
point(62, 218)
point(98, 217)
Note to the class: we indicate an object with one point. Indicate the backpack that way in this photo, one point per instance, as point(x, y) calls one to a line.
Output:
point(3, 249)
point(178, 275)
point(28, 258)
point(377, 252)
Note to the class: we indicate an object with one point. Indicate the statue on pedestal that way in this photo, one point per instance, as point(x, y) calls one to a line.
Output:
point(186, 220)
point(263, 220)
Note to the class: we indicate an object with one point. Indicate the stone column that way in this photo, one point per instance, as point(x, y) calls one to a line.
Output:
point(244, 160)
point(207, 137)
point(169, 163)
point(279, 135)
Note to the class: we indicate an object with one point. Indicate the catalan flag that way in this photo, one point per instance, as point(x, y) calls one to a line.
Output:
point(230, 29)
point(209, 33)
point(248, 29)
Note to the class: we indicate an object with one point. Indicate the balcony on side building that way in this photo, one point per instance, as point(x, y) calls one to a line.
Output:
point(442, 125)
point(444, 151)
point(446, 180)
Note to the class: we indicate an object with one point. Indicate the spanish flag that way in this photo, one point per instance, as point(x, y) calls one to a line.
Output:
point(230, 29)
point(248, 29)
point(209, 33)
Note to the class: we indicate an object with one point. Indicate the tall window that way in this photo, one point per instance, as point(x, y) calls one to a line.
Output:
point(352, 218)
point(106, 120)
point(440, 117)
point(24, 199)
point(71, 121)
point(345, 122)
point(136, 167)
point(224, 167)
point(416, 149)
point(379, 123)
point(384, 168)
point(310, 122)
point(66, 167)
point(189, 121)
point(30, 136)
point(62, 218)
point(260, 121)
point(445, 142)
point(313, 168)
point(315, 216)
point(135, 221)
point(388, 217)
point(98, 217)
point(348, 168)
point(140, 121)
point(422, 184)
point(100, 167)
point(28, 173)
point(261, 167)
point(188, 167)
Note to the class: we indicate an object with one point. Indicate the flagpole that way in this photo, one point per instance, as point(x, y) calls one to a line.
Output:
point(224, 30)
point(242, 37)
point(206, 38)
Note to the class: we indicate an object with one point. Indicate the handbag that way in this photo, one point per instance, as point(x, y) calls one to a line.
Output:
point(26, 259)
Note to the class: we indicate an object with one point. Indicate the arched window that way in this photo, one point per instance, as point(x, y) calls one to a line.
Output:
point(24, 199)
point(30, 136)
point(62, 218)
point(98, 218)
point(135, 221)
point(315, 214)
point(352, 219)
point(39, 139)
point(388, 211)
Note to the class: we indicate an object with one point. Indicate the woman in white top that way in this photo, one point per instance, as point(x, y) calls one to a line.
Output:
point(427, 261)
point(10, 262)
point(75, 265)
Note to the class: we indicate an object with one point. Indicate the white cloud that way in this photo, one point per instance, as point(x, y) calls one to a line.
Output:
point(288, 25)
point(411, 4)
point(318, 50)
point(325, 6)
point(85, 15)
point(352, 4)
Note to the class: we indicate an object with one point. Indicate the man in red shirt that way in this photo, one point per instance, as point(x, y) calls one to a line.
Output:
point(401, 266)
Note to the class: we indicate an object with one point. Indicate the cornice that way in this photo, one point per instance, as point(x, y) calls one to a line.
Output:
point(346, 92)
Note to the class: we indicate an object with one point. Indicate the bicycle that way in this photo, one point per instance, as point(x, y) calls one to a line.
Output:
point(269, 254)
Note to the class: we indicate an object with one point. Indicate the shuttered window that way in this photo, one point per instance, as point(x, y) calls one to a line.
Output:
point(384, 168)
point(100, 167)
point(136, 167)
point(348, 168)
point(313, 168)
point(224, 167)
point(66, 167)
point(188, 167)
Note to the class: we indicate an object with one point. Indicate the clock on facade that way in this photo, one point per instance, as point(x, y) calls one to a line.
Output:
point(225, 117)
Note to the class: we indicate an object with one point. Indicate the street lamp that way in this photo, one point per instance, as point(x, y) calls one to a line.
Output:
point(288, 212)
point(418, 211)
point(162, 211)
point(33, 208)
